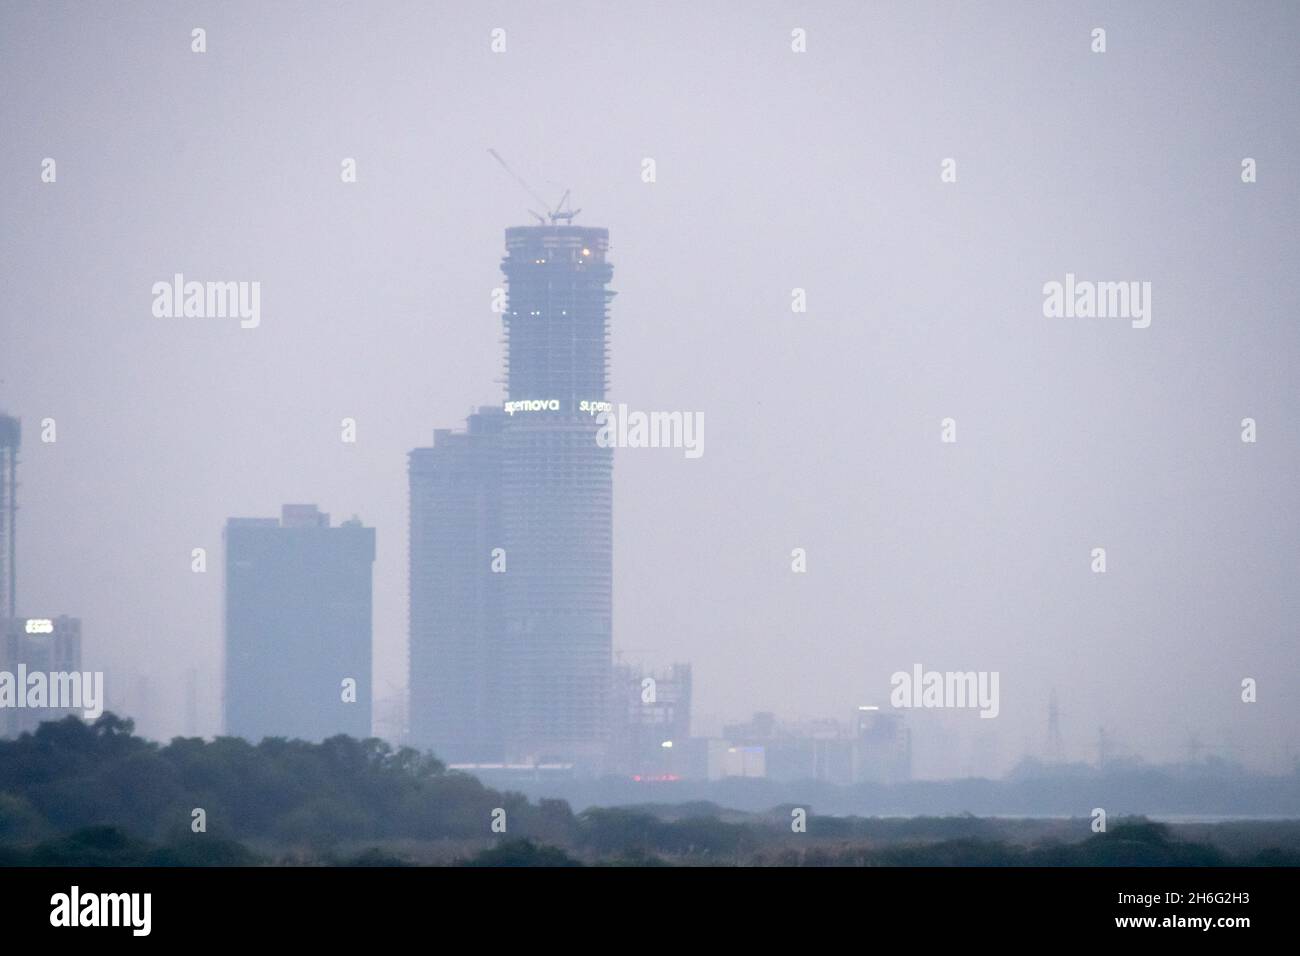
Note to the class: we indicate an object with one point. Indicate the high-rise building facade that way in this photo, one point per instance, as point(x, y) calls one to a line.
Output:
point(457, 572)
point(511, 656)
point(47, 646)
point(557, 494)
point(298, 626)
point(10, 437)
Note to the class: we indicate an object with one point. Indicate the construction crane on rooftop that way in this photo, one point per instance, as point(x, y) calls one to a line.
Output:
point(556, 214)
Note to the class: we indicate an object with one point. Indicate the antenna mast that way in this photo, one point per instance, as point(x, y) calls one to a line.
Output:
point(554, 215)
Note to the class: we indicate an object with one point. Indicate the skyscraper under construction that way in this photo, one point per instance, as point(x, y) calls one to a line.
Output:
point(524, 628)
point(557, 492)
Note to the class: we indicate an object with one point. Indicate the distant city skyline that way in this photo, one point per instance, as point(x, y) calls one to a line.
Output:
point(841, 255)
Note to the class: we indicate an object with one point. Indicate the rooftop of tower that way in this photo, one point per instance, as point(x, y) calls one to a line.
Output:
point(548, 244)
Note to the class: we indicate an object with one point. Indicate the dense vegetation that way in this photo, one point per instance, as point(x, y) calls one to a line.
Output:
point(71, 775)
point(96, 794)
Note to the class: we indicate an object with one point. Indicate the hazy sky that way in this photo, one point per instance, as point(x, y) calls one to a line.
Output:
point(775, 170)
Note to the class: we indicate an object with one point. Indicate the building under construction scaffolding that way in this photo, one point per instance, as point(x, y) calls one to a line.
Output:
point(530, 651)
point(557, 494)
point(10, 438)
